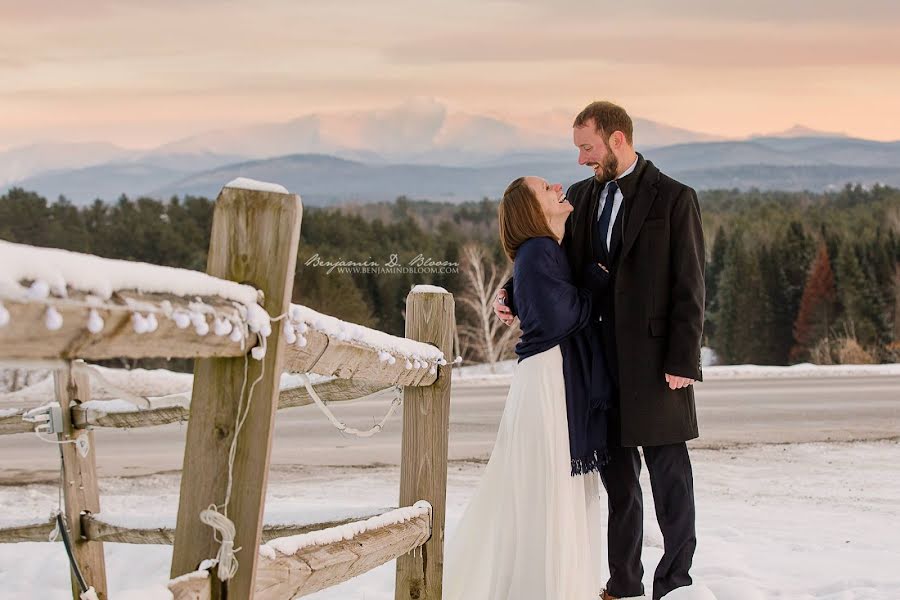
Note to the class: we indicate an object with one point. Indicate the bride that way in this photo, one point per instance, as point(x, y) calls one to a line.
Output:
point(532, 529)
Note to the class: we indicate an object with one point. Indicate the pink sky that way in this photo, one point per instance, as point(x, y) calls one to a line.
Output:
point(143, 73)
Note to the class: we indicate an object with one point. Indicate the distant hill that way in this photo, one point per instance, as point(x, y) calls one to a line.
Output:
point(786, 163)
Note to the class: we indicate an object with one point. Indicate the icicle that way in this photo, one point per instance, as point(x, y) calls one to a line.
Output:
point(4, 316)
point(417, 364)
point(222, 327)
point(139, 323)
point(38, 290)
point(52, 319)
point(266, 329)
point(289, 335)
point(391, 360)
point(258, 352)
point(202, 328)
point(95, 322)
point(152, 323)
point(302, 327)
point(237, 333)
point(301, 341)
point(197, 318)
point(409, 365)
point(182, 319)
point(433, 369)
point(457, 360)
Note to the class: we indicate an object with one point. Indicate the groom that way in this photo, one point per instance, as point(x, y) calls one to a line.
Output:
point(645, 227)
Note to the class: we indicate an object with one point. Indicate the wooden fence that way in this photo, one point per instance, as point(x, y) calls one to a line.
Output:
point(254, 241)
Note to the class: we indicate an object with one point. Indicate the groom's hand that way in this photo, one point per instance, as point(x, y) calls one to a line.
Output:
point(675, 382)
point(502, 310)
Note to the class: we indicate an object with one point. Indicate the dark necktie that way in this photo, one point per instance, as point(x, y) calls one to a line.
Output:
point(606, 214)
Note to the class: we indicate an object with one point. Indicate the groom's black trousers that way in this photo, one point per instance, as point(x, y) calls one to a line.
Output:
point(672, 482)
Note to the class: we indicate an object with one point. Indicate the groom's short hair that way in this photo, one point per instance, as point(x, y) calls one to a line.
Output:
point(608, 118)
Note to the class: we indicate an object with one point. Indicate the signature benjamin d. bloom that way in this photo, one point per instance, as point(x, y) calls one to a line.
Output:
point(420, 263)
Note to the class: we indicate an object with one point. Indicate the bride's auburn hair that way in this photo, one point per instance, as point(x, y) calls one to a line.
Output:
point(520, 217)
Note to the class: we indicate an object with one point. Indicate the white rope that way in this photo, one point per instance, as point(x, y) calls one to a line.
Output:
point(342, 427)
point(224, 528)
point(225, 531)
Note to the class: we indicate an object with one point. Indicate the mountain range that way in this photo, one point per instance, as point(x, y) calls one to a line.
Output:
point(423, 150)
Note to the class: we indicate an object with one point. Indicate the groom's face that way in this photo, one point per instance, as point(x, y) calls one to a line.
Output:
point(594, 152)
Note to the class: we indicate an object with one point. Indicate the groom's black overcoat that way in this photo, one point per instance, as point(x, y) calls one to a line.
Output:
point(653, 313)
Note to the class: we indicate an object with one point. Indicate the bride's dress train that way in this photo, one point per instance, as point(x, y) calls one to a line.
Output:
point(531, 531)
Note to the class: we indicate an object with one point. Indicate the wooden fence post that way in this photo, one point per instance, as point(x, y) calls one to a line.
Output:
point(255, 236)
point(80, 490)
point(430, 318)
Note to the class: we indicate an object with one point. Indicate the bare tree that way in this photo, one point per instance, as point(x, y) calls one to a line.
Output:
point(485, 337)
point(13, 380)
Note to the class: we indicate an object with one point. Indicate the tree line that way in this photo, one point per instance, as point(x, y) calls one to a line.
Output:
point(790, 277)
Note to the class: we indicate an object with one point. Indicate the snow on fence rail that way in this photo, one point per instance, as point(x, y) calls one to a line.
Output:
point(57, 307)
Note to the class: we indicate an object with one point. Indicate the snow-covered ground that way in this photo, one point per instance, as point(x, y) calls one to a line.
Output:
point(792, 522)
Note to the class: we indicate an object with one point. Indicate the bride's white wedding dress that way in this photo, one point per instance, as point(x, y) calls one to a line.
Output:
point(531, 530)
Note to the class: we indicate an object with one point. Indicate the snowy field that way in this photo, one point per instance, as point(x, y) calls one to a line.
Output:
point(798, 522)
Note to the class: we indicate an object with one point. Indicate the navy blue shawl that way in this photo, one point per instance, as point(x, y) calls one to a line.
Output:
point(552, 312)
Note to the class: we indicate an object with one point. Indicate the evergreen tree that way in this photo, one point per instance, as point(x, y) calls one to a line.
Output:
point(712, 275)
point(776, 338)
point(742, 314)
point(24, 218)
point(860, 301)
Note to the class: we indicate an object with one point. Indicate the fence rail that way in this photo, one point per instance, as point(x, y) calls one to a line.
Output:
point(95, 529)
point(173, 409)
point(24, 337)
point(234, 399)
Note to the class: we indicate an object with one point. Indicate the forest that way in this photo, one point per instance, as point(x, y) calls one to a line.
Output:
point(790, 277)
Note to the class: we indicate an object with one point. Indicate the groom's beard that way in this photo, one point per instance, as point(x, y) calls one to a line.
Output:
point(609, 168)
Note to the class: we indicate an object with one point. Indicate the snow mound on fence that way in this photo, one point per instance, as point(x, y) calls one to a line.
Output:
point(292, 544)
point(351, 332)
point(245, 183)
point(61, 269)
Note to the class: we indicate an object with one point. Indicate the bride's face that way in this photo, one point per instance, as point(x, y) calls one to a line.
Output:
point(551, 198)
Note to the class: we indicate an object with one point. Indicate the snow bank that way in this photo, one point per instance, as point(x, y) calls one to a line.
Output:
point(694, 592)
point(245, 183)
point(799, 370)
point(503, 371)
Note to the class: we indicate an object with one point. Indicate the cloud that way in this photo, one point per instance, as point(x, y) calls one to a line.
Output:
point(757, 47)
point(872, 12)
